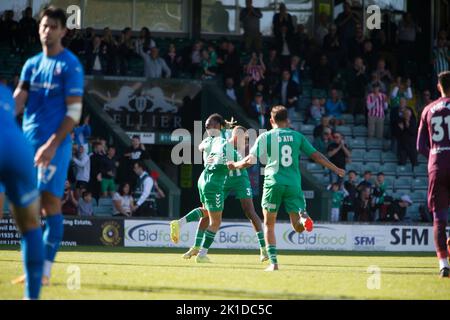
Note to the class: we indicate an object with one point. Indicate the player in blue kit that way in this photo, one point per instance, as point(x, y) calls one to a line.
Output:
point(19, 182)
point(50, 92)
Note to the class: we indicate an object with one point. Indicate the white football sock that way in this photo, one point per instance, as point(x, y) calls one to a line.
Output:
point(47, 268)
point(443, 263)
point(203, 252)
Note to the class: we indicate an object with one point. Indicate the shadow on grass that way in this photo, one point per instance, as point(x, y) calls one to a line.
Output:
point(208, 293)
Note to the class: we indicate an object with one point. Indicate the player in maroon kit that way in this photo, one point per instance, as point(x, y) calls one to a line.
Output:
point(433, 142)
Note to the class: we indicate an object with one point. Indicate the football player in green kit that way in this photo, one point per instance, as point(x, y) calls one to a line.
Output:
point(238, 182)
point(281, 146)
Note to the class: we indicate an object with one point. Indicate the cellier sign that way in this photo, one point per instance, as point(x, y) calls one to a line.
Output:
point(151, 105)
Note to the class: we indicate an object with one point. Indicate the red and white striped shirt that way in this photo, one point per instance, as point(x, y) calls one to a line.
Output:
point(376, 104)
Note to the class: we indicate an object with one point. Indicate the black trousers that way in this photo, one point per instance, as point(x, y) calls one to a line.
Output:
point(407, 150)
point(145, 210)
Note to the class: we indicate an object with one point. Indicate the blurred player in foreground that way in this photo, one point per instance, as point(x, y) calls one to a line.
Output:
point(238, 182)
point(433, 141)
point(281, 147)
point(51, 89)
point(19, 182)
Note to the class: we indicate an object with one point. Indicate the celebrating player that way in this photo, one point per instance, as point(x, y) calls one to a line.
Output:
point(51, 89)
point(237, 182)
point(433, 141)
point(282, 181)
point(19, 181)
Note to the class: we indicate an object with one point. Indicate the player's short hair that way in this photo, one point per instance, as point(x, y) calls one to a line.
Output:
point(444, 80)
point(217, 118)
point(279, 113)
point(54, 13)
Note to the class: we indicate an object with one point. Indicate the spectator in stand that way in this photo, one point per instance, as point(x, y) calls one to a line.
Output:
point(123, 201)
point(398, 209)
point(356, 45)
point(145, 40)
point(376, 81)
point(346, 23)
point(322, 74)
point(322, 29)
point(11, 30)
point(337, 197)
point(255, 69)
point(282, 19)
point(28, 29)
point(423, 102)
point(321, 143)
point(143, 191)
point(95, 179)
point(69, 203)
point(363, 206)
point(232, 64)
point(301, 41)
point(351, 193)
point(287, 93)
point(76, 43)
point(356, 87)
point(85, 207)
point(406, 138)
point(260, 108)
point(401, 89)
point(212, 57)
point(136, 152)
point(96, 57)
point(231, 91)
point(384, 75)
point(173, 60)
point(222, 51)
point(334, 108)
point(207, 66)
point(249, 18)
point(366, 182)
point(125, 50)
point(324, 123)
point(379, 193)
point(376, 106)
point(339, 154)
point(316, 111)
point(406, 37)
point(332, 47)
point(110, 44)
point(154, 65)
point(285, 47)
point(440, 60)
point(108, 170)
point(296, 69)
point(273, 69)
point(82, 169)
point(369, 56)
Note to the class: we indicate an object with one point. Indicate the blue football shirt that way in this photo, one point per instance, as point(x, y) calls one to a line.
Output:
point(52, 79)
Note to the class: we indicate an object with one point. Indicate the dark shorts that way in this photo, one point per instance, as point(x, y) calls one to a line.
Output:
point(438, 191)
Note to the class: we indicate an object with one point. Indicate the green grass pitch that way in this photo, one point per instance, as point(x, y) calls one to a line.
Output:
point(149, 273)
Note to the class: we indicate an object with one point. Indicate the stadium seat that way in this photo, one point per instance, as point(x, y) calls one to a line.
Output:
point(389, 180)
point(374, 144)
point(314, 167)
point(372, 156)
point(373, 167)
point(404, 171)
point(306, 129)
point(418, 196)
point(389, 157)
point(357, 143)
point(360, 120)
point(419, 184)
point(421, 170)
point(400, 192)
point(413, 212)
point(358, 155)
point(353, 166)
point(105, 202)
point(346, 131)
point(359, 131)
point(389, 168)
point(402, 183)
point(348, 119)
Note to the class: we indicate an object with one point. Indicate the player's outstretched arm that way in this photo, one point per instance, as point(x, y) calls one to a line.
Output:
point(322, 160)
point(245, 163)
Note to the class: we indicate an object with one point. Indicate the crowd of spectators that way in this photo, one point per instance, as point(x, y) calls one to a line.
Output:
point(97, 172)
